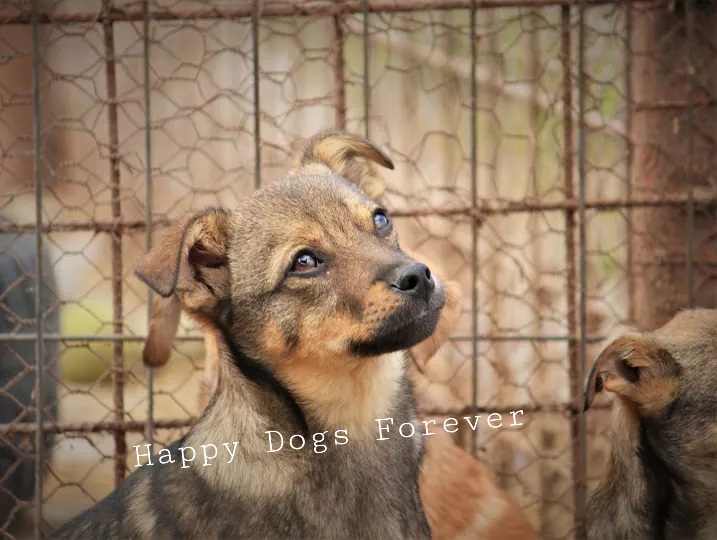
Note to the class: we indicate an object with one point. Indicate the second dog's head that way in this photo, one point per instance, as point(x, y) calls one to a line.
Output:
point(666, 385)
point(308, 267)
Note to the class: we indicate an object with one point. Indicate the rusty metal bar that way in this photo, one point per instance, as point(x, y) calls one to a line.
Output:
point(689, 248)
point(631, 310)
point(90, 338)
point(114, 172)
point(15, 338)
point(84, 428)
point(578, 414)
point(571, 256)
point(39, 282)
point(473, 37)
point(303, 9)
point(339, 70)
point(566, 409)
point(135, 426)
point(482, 209)
point(662, 105)
point(539, 338)
point(366, 70)
point(149, 432)
point(119, 226)
point(255, 20)
point(488, 207)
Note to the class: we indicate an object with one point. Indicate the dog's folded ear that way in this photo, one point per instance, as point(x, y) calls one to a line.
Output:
point(639, 370)
point(163, 327)
point(346, 154)
point(187, 268)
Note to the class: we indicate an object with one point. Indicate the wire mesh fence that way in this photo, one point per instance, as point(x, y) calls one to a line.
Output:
point(553, 156)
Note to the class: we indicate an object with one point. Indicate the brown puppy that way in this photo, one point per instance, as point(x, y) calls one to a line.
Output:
point(315, 305)
point(661, 480)
point(460, 496)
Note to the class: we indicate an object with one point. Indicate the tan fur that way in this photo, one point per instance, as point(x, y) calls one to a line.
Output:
point(632, 352)
point(462, 498)
point(349, 397)
point(142, 516)
point(217, 424)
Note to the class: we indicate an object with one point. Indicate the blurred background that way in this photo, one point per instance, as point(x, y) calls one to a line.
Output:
point(554, 157)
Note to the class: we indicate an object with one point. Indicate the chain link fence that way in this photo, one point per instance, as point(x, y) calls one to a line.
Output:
point(553, 156)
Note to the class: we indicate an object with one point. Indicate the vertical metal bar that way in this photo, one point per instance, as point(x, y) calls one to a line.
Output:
point(574, 348)
point(631, 313)
point(536, 255)
point(581, 450)
point(339, 71)
point(148, 204)
point(366, 71)
point(474, 223)
point(255, 19)
point(39, 315)
point(117, 327)
point(689, 249)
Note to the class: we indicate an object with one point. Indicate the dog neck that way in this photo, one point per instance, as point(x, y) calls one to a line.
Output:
point(620, 504)
point(639, 496)
point(250, 400)
point(350, 394)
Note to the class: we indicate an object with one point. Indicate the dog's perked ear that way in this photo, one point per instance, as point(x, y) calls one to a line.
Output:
point(186, 268)
point(346, 154)
point(639, 370)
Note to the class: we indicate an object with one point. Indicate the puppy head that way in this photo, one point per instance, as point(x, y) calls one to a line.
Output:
point(666, 382)
point(311, 264)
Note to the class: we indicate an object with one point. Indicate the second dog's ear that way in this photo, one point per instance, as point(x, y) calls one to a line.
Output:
point(187, 268)
point(346, 154)
point(638, 370)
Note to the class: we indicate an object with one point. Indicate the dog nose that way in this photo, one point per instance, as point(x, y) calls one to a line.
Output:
point(414, 279)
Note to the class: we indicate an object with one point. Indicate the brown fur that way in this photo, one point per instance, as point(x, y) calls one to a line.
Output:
point(662, 473)
point(305, 344)
point(337, 152)
point(462, 499)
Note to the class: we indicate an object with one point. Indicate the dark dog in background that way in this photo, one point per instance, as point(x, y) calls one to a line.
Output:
point(317, 305)
point(661, 480)
point(17, 378)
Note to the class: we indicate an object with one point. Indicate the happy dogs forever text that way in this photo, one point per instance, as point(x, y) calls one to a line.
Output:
point(276, 440)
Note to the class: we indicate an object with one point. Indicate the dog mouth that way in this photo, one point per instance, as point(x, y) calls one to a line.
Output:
point(403, 330)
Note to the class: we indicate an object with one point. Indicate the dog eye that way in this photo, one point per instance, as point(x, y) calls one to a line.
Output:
point(305, 262)
point(381, 223)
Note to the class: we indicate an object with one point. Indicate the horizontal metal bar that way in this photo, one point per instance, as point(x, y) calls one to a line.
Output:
point(588, 339)
point(675, 105)
point(77, 226)
point(483, 208)
point(492, 207)
point(22, 338)
point(14, 338)
point(547, 408)
point(83, 428)
point(286, 9)
point(27, 428)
